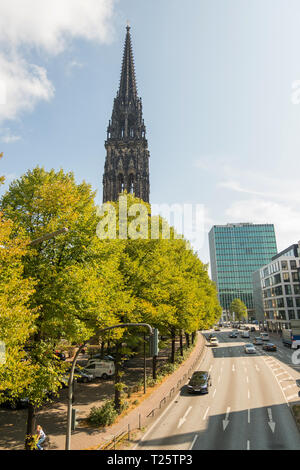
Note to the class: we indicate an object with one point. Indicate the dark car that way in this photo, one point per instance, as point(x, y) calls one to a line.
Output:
point(252, 329)
point(270, 347)
point(233, 335)
point(199, 382)
point(83, 376)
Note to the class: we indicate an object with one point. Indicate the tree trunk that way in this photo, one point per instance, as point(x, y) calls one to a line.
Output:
point(187, 338)
point(193, 337)
point(31, 426)
point(173, 336)
point(102, 348)
point(181, 344)
point(117, 378)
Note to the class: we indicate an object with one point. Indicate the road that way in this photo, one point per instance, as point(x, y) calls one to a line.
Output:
point(247, 408)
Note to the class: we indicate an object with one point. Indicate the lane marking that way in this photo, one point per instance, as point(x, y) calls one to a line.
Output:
point(193, 443)
point(204, 417)
point(249, 394)
point(183, 420)
point(233, 368)
point(215, 391)
point(249, 416)
point(247, 379)
point(248, 445)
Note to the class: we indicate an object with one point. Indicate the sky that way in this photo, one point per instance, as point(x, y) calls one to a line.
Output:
point(220, 84)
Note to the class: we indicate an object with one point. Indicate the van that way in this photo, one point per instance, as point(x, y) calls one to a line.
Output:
point(245, 334)
point(265, 336)
point(102, 369)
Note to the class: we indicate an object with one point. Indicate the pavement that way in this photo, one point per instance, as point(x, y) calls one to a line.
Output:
point(53, 416)
point(248, 406)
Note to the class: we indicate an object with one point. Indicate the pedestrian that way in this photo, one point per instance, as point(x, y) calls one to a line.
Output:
point(41, 436)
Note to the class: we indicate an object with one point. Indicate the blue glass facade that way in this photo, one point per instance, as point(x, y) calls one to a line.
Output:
point(236, 251)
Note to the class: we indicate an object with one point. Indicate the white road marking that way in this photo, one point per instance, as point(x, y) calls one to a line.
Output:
point(226, 420)
point(249, 416)
point(248, 394)
point(281, 373)
point(233, 368)
point(219, 379)
point(257, 368)
point(209, 371)
point(271, 422)
point(158, 419)
point(247, 379)
point(289, 386)
point(193, 443)
point(248, 445)
point(183, 419)
point(215, 391)
point(204, 417)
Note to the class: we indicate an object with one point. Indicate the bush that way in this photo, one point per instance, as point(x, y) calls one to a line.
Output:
point(104, 415)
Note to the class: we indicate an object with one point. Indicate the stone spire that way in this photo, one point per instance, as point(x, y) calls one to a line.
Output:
point(127, 160)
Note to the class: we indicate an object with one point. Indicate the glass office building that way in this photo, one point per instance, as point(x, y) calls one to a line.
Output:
point(237, 251)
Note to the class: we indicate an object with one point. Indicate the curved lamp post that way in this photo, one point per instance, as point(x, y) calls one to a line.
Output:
point(71, 377)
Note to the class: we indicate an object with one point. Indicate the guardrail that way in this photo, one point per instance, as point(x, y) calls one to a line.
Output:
point(125, 433)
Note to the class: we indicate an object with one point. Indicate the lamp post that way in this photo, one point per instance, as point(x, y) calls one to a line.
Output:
point(48, 236)
point(71, 377)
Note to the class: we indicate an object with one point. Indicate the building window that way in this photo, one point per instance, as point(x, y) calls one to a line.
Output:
point(295, 277)
point(288, 289)
point(284, 265)
point(286, 277)
point(291, 315)
point(289, 302)
point(293, 264)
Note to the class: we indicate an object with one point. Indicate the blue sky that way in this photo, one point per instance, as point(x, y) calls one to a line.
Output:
point(216, 81)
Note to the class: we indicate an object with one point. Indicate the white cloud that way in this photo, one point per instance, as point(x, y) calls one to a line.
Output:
point(47, 27)
point(50, 25)
point(285, 218)
point(7, 137)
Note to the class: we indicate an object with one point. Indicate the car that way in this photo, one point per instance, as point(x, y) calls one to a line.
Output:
point(214, 342)
point(265, 336)
point(83, 376)
point(270, 347)
point(249, 348)
point(102, 369)
point(245, 334)
point(199, 382)
point(252, 329)
point(258, 341)
point(233, 335)
point(106, 357)
point(217, 328)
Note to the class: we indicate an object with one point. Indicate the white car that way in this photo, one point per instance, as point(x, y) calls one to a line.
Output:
point(102, 369)
point(245, 334)
point(265, 336)
point(214, 342)
point(249, 348)
point(258, 341)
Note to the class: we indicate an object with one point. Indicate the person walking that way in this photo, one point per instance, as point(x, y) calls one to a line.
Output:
point(41, 436)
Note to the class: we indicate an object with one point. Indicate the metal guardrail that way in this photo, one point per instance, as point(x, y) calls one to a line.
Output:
point(113, 442)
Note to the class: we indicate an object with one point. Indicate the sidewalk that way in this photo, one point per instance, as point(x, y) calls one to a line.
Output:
point(87, 438)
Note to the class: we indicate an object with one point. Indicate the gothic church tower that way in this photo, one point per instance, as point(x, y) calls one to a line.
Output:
point(127, 155)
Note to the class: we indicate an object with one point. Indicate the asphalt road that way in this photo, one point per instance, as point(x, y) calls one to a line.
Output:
point(247, 407)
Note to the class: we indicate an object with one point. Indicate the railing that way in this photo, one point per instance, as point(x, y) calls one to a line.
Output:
point(126, 432)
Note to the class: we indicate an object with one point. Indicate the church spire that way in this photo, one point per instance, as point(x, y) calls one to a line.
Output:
point(127, 159)
point(127, 89)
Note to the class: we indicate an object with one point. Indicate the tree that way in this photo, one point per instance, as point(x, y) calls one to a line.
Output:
point(68, 272)
point(16, 318)
point(238, 308)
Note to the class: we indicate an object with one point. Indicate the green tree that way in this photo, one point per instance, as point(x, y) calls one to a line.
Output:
point(72, 293)
point(238, 308)
point(16, 318)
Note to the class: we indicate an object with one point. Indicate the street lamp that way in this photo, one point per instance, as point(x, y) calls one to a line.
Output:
point(48, 236)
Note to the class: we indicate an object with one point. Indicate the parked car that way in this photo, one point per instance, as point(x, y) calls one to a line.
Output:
point(199, 382)
point(102, 369)
point(270, 347)
point(258, 341)
point(252, 329)
point(83, 376)
point(249, 348)
point(217, 328)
